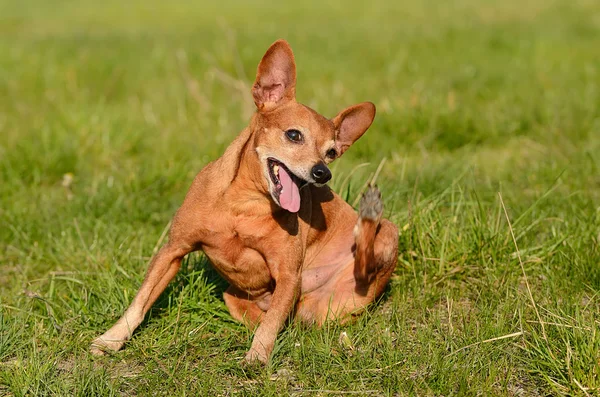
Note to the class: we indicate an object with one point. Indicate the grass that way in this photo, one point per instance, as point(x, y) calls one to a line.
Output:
point(481, 105)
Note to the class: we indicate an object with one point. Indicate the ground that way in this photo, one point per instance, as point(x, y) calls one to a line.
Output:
point(485, 147)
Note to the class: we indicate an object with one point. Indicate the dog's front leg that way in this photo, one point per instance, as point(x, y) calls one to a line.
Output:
point(285, 295)
point(162, 269)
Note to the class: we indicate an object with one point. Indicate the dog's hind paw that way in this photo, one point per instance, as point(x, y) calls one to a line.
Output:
point(371, 205)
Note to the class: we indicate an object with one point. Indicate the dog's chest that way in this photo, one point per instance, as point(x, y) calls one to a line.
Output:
point(237, 248)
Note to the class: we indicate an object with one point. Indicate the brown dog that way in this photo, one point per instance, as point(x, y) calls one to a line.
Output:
point(284, 241)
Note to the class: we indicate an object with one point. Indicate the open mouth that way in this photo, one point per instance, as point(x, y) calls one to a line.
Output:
point(286, 185)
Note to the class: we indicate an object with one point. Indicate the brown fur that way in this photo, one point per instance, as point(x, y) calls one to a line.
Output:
point(323, 262)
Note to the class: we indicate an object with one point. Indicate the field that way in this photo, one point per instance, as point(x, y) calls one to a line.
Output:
point(486, 149)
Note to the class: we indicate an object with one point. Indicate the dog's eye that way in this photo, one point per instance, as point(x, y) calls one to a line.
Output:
point(331, 153)
point(294, 135)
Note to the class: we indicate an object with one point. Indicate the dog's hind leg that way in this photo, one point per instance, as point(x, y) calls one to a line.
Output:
point(242, 308)
point(163, 268)
point(376, 243)
point(365, 274)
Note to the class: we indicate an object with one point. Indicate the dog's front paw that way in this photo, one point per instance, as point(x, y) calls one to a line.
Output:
point(256, 357)
point(101, 345)
point(371, 205)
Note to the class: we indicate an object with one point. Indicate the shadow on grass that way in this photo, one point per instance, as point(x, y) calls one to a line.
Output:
point(197, 280)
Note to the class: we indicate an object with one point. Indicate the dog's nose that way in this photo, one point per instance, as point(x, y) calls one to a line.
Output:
point(321, 173)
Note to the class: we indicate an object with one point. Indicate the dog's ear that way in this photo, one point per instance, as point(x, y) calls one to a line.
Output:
point(275, 77)
point(351, 123)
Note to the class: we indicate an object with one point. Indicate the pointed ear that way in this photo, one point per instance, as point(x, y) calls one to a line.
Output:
point(351, 123)
point(275, 77)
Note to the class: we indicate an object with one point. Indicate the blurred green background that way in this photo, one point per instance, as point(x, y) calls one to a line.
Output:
point(108, 110)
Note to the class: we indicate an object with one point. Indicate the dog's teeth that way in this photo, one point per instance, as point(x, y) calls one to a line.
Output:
point(275, 169)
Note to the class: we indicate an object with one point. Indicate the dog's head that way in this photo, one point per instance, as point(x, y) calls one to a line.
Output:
point(293, 142)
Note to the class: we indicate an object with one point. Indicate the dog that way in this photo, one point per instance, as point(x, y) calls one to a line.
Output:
point(262, 213)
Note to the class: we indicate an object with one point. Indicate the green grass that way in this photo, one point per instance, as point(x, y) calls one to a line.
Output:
point(475, 98)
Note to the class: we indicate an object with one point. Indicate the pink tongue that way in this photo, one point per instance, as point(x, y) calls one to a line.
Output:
point(290, 196)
